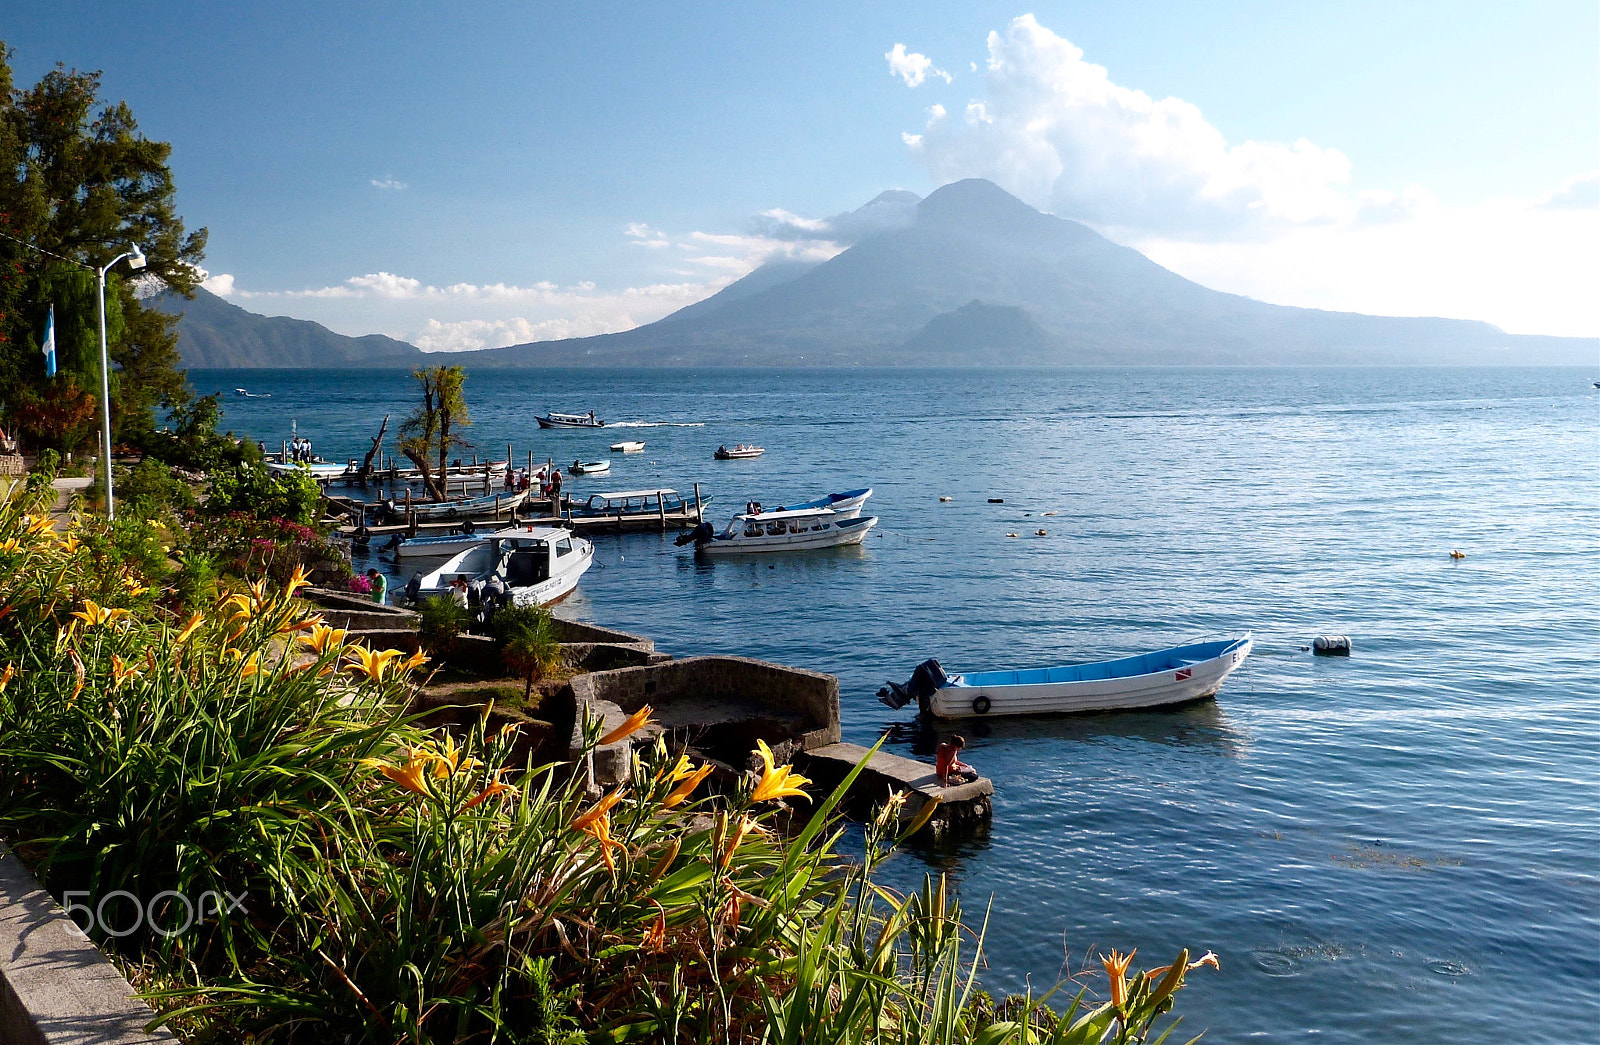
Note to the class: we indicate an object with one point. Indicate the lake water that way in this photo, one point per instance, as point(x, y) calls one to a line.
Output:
point(1402, 846)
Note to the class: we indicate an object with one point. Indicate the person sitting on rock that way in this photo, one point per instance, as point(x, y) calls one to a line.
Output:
point(948, 766)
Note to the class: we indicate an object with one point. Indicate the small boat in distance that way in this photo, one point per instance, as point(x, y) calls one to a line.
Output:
point(252, 395)
point(628, 446)
point(590, 467)
point(1176, 675)
point(555, 420)
point(796, 529)
point(738, 453)
point(538, 565)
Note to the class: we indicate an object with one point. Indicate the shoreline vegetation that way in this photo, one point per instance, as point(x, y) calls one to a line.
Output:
point(168, 735)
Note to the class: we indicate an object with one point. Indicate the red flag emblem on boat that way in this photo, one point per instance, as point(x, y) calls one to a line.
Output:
point(1182, 674)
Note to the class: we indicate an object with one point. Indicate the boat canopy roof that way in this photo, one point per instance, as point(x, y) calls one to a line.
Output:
point(626, 494)
point(788, 513)
point(533, 533)
point(1125, 667)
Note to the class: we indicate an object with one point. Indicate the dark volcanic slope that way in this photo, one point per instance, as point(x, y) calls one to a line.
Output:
point(215, 334)
point(980, 278)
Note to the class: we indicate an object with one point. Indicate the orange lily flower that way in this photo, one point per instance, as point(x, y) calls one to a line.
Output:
point(448, 760)
point(192, 626)
point(631, 725)
point(121, 671)
point(776, 781)
point(1117, 969)
point(412, 775)
point(93, 614)
point(415, 661)
point(297, 580)
point(655, 937)
point(494, 788)
point(600, 810)
point(251, 666)
point(735, 840)
point(686, 788)
point(7, 676)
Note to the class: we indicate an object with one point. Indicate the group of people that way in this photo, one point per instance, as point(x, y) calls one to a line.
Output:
point(517, 479)
point(300, 450)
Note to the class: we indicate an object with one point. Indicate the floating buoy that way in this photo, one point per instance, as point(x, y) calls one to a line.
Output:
point(1051, 513)
point(1010, 535)
point(1458, 555)
point(1041, 533)
point(997, 500)
point(944, 498)
point(1331, 646)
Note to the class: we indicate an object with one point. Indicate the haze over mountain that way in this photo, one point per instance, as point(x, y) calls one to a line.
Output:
point(214, 333)
point(969, 276)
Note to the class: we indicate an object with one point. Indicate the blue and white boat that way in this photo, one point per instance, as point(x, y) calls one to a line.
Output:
point(846, 505)
point(538, 565)
point(791, 529)
point(441, 546)
point(1176, 675)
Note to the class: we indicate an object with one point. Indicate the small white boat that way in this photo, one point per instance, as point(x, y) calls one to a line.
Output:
point(846, 505)
point(1176, 675)
point(538, 565)
point(741, 452)
point(252, 395)
point(628, 446)
point(590, 467)
point(797, 529)
point(463, 509)
point(555, 420)
point(322, 471)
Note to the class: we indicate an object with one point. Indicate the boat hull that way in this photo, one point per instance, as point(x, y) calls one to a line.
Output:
point(469, 508)
point(436, 547)
point(842, 533)
point(562, 422)
point(1164, 678)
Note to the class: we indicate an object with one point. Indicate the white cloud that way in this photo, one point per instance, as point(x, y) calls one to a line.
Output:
point(220, 284)
point(643, 235)
point(913, 68)
point(388, 183)
point(1279, 222)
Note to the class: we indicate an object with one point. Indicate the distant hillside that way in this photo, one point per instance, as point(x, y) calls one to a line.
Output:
point(973, 276)
point(214, 334)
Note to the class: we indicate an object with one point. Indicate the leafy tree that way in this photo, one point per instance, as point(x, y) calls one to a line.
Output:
point(78, 184)
point(427, 436)
point(257, 492)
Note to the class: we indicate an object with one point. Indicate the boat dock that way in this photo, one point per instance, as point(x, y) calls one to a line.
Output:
point(961, 806)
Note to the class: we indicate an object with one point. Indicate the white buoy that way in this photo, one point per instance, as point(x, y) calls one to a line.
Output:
point(1331, 646)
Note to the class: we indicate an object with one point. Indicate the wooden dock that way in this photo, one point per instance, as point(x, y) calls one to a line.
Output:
point(962, 807)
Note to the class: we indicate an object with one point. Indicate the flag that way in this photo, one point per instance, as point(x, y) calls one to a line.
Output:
point(50, 344)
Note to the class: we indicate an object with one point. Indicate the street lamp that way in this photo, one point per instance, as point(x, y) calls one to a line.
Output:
point(135, 262)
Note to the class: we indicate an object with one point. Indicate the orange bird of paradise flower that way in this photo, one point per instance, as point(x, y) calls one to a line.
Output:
point(1117, 969)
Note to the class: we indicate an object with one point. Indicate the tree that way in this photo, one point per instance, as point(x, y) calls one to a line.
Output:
point(428, 435)
point(528, 642)
point(80, 183)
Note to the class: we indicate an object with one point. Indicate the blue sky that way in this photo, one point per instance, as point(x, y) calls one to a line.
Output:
point(476, 174)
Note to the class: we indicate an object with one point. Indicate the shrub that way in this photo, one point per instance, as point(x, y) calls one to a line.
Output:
point(150, 488)
point(252, 490)
point(245, 545)
point(441, 620)
point(528, 643)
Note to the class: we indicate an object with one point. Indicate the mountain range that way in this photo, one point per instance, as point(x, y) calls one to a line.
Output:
point(969, 276)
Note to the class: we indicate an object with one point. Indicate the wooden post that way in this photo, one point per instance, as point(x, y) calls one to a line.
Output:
point(661, 510)
point(699, 517)
point(496, 507)
point(411, 516)
point(530, 466)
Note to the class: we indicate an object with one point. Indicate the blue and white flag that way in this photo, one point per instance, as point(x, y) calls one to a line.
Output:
point(50, 344)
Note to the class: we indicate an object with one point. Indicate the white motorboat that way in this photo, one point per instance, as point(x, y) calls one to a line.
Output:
point(741, 452)
point(1176, 675)
point(322, 471)
point(441, 546)
point(628, 446)
point(539, 565)
point(796, 529)
point(846, 505)
point(590, 467)
point(555, 420)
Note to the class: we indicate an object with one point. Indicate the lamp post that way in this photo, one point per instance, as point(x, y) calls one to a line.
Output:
point(135, 262)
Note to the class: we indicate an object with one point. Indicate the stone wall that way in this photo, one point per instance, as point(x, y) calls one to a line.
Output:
point(720, 705)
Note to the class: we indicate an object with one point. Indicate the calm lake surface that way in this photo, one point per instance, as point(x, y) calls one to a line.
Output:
point(1402, 846)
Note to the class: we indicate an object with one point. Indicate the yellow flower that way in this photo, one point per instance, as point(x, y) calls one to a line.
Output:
point(600, 829)
point(258, 592)
point(631, 725)
point(70, 543)
point(411, 775)
point(10, 544)
point(121, 671)
point(297, 580)
point(42, 525)
point(323, 639)
point(136, 590)
point(1117, 969)
point(373, 665)
point(415, 661)
point(655, 937)
point(251, 666)
point(686, 788)
point(5, 678)
point(448, 759)
point(679, 770)
point(776, 782)
point(190, 627)
point(93, 615)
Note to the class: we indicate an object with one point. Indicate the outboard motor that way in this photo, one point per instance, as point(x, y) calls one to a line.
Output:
point(927, 677)
point(699, 536)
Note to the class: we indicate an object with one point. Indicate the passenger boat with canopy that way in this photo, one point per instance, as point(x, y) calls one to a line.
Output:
point(555, 420)
point(793, 529)
point(1176, 675)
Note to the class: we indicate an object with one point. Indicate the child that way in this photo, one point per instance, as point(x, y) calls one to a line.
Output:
point(948, 765)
